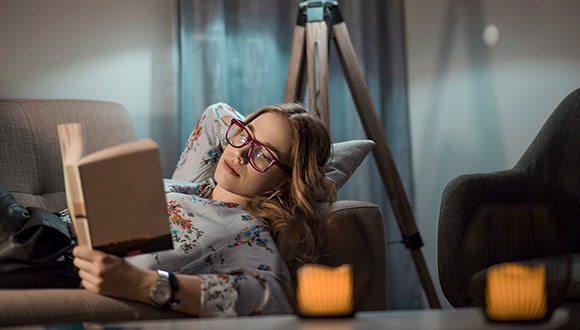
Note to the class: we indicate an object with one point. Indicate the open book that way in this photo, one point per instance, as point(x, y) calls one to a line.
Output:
point(115, 196)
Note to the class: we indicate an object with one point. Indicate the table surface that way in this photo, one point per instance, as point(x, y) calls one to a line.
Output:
point(464, 319)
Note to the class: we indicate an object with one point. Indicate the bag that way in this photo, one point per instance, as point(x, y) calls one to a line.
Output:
point(35, 248)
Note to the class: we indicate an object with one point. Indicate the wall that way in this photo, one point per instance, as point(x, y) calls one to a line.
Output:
point(120, 51)
point(474, 107)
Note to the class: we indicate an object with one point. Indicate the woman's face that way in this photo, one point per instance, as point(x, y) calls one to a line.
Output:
point(236, 177)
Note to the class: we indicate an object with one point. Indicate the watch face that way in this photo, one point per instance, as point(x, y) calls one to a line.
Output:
point(161, 293)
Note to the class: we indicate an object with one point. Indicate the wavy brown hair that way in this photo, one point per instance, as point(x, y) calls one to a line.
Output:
point(291, 213)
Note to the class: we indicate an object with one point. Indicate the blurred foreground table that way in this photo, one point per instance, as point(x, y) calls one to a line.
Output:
point(464, 319)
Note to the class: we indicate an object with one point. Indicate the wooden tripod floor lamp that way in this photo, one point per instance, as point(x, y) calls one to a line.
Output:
point(310, 45)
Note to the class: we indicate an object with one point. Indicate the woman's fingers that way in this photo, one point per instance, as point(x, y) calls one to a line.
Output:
point(227, 120)
point(83, 252)
point(110, 275)
point(89, 281)
point(93, 261)
point(100, 272)
point(83, 261)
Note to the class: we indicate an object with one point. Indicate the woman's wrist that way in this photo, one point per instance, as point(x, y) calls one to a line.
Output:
point(189, 295)
point(146, 281)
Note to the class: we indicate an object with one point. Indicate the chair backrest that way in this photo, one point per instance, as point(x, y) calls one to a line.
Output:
point(30, 160)
point(553, 157)
point(553, 161)
point(548, 173)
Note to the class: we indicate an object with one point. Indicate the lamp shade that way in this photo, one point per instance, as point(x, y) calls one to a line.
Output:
point(325, 291)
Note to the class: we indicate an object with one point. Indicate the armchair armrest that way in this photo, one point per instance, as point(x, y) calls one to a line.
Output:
point(356, 236)
point(69, 306)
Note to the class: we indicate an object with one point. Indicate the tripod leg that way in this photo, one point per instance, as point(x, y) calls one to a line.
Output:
point(317, 62)
point(295, 80)
point(383, 156)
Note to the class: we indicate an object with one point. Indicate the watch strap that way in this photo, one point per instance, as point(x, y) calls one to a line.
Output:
point(174, 288)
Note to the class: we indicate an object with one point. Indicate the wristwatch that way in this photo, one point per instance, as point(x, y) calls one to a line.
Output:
point(163, 291)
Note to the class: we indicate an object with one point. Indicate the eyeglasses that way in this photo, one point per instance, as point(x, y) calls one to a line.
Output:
point(259, 156)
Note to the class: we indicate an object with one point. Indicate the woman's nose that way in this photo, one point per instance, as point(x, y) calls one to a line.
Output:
point(242, 153)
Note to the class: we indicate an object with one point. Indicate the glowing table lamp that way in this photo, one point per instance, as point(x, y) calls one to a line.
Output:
point(516, 292)
point(324, 291)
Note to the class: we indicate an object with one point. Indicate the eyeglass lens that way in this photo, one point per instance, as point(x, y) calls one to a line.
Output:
point(260, 157)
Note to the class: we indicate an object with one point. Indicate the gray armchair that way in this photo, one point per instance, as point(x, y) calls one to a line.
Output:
point(548, 173)
point(30, 166)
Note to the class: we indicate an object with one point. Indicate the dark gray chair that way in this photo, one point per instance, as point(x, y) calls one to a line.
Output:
point(548, 173)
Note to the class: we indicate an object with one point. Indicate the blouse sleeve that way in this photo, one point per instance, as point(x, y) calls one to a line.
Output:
point(256, 287)
point(205, 144)
point(242, 295)
point(246, 291)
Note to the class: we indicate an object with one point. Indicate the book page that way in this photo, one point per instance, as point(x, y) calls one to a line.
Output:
point(71, 146)
point(128, 149)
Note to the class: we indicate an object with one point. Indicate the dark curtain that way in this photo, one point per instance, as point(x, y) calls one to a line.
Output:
point(237, 51)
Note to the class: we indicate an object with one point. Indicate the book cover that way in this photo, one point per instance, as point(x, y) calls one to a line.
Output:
point(115, 196)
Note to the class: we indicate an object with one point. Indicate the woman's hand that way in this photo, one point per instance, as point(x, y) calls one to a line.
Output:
point(227, 120)
point(110, 275)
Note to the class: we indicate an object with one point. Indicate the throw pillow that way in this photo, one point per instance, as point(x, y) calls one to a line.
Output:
point(346, 158)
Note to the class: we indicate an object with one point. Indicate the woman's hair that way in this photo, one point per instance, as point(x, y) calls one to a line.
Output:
point(296, 225)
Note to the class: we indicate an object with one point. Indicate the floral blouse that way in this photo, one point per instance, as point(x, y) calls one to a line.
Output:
point(231, 251)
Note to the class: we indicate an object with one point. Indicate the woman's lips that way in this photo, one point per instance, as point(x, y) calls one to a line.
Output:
point(230, 168)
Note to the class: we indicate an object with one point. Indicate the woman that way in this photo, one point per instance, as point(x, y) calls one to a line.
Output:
point(239, 186)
